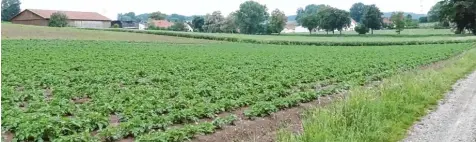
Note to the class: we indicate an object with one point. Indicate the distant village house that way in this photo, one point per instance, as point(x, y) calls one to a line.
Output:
point(76, 19)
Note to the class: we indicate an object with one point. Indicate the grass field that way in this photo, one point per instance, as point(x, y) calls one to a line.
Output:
point(392, 32)
point(64, 90)
point(16, 31)
point(315, 40)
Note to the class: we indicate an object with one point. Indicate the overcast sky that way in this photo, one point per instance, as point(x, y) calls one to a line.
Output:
point(110, 8)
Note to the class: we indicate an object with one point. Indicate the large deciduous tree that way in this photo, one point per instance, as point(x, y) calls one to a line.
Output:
point(157, 15)
point(213, 22)
point(398, 21)
point(130, 16)
point(332, 19)
point(277, 21)
point(460, 12)
point(372, 18)
point(229, 24)
point(197, 23)
point(10, 8)
point(308, 17)
point(357, 11)
point(251, 16)
point(434, 13)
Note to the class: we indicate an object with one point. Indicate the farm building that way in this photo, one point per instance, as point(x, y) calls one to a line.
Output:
point(76, 19)
point(129, 24)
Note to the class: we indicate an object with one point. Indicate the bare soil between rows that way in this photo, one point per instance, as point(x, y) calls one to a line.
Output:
point(264, 129)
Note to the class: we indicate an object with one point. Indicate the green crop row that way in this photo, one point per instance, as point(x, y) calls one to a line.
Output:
point(152, 88)
point(295, 42)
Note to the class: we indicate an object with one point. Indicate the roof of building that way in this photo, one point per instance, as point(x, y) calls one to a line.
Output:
point(162, 23)
point(353, 21)
point(290, 25)
point(386, 20)
point(72, 15)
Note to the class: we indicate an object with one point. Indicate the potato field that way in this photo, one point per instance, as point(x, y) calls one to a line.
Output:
point(74, 90)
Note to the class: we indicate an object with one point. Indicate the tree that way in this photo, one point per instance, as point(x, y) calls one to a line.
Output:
point(213, 22)
point(197, 23)
point(250, 15)
point(178, 26)
point(408, 19)
point(10, 8)
point(277, 21)
point(176, 17)
point(460, 12)
point(342, 19)
point(398, 20)
point(58, 19)
point(357, 11)
point(423, 19)
point(372, 18)
point(157, 15)
point(130, 16)
point(332, 19)
point(229, 24)
point(361, 29)
point(308, 16)
point(434, 13)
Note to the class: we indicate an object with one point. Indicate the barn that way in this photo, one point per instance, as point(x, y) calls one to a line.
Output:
point(76, 19)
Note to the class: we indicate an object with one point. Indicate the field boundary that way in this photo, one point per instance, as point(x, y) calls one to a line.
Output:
point(282, 42)
point(385, 112)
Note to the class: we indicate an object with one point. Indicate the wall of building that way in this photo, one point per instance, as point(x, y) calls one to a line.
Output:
point(28, 18)
point(39, 22)
point(90, 24)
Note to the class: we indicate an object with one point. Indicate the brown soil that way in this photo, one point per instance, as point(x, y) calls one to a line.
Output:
point(48, 93)
point(7, 136)
point(81, 100)
point(128, 139)
point(114, 120)
point(23, 105)
point(264, 129)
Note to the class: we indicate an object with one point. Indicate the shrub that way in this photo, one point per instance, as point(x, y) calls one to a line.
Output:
point(58, 19)
point(115, 26)
point(361, 29)
point(179, 26)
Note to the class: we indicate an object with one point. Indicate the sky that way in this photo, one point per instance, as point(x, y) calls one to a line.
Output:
point(110, 8)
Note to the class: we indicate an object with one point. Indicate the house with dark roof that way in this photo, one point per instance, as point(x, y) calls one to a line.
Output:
point(75, 18)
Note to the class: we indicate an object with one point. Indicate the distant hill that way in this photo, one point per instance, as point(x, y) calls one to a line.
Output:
point(414, 15)
point(292, 18)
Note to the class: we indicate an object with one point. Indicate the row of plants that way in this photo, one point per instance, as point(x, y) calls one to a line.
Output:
point(155, 88)
point(283, 42)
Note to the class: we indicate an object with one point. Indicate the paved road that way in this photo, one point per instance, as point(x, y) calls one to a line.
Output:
point(455, 118)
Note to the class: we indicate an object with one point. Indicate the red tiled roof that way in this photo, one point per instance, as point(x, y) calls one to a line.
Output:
point(162, 23)
point(73, 15)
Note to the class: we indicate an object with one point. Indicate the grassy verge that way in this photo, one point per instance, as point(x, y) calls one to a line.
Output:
point(385, 112)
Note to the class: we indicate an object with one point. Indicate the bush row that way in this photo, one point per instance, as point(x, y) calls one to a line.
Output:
point(282, 42)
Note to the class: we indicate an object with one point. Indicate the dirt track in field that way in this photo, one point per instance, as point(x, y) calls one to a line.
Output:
point(454, 119)
point(16, 31)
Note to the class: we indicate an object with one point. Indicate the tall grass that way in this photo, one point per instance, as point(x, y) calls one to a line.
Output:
point(384, 113)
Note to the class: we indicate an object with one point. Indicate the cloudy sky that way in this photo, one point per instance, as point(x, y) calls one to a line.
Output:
point(110, 8)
